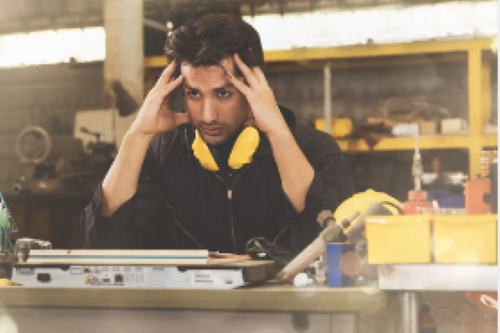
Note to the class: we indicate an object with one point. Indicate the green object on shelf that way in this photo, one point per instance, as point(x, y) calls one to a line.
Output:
point(5, 219)
point(7, 226)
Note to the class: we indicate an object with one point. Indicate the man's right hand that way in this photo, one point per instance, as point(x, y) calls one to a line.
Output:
point(155, 115)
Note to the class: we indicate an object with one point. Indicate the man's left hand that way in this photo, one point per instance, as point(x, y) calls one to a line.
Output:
point(267, 115)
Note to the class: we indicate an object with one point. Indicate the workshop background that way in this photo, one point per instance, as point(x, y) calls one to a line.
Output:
point(74, 72)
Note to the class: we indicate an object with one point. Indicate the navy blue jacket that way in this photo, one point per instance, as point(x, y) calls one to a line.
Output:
point(180, 205)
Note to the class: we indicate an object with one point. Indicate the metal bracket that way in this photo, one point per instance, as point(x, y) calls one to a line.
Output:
point(300, 321)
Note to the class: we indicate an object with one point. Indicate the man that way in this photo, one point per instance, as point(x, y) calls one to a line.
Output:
point(158, 192)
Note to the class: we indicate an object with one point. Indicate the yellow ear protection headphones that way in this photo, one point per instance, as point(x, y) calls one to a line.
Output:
point(242, 153)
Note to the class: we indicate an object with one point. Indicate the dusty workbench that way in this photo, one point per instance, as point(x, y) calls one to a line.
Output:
point(264, 308)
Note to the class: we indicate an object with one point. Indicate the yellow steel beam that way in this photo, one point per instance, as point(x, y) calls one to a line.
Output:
point(363, 51)
point(399, 62)
point(360, 51)
point(425, 142)
point(160, 62)
point(155, 62)
point(393, 144)
point(490, 141)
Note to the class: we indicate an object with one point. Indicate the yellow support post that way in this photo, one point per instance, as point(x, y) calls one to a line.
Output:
point(486, 87)
point(475, 92)
point(475, 160)
point(475, 71)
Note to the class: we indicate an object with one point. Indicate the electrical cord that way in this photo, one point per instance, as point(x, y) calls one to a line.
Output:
point(259, 248)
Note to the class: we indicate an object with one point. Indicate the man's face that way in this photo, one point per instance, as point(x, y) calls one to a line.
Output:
point(215, 107)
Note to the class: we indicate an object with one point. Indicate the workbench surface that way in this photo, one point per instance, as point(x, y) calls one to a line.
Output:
point(269, 297)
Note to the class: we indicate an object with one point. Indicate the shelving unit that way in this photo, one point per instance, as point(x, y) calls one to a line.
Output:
point(425, 142)
point(476, 52)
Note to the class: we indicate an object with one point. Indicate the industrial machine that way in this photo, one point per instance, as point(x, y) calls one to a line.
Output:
point(59, 164)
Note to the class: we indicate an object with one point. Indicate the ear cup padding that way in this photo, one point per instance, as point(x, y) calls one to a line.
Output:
point(203, 154)
point(244, 148)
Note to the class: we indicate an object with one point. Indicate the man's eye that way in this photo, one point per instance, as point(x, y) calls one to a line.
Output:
point(193, 94)
point(223, 94)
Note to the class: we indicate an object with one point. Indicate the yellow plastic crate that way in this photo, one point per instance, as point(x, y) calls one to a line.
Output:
point(465, 239)
point(339, 128)
point(404, 239)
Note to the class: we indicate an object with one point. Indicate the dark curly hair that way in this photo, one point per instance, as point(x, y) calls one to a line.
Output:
point(213, 37)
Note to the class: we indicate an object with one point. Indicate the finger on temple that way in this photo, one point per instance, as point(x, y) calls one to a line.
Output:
point(260, 75)
point(241, 86)
point(167, 89)
point(166, 75)
point(247, 72)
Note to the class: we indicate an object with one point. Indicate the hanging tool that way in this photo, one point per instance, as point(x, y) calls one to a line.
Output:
point(417, 199)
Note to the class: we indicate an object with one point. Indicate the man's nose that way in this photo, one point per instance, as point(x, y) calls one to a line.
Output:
point(209, 114)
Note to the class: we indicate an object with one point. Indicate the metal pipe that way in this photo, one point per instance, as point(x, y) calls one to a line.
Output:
point(408, 320)
point(328, 98)
point(155, 25)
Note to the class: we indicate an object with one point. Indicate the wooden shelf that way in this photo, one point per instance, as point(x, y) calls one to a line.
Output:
point(425, 142)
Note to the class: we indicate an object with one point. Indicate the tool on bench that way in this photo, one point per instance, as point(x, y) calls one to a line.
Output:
point(333, 232)
point(350, 228)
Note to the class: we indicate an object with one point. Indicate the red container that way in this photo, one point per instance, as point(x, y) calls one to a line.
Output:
point(416, 201)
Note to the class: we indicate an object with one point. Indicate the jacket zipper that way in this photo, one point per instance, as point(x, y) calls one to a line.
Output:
point(230, 197)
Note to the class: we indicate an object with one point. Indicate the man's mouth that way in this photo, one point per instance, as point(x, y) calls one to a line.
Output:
point(212, 131)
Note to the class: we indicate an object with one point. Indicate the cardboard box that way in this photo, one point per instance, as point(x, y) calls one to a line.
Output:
point(453, 125)
point(428, 128)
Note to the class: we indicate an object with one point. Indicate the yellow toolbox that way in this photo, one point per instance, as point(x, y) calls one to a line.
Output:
point(465, 239)
point(401, 239)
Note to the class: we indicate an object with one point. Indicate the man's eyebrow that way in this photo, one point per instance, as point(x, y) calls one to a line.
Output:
point(187, 86)
point(225, 86)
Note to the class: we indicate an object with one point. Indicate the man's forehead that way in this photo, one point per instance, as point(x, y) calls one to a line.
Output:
point(207, 76)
